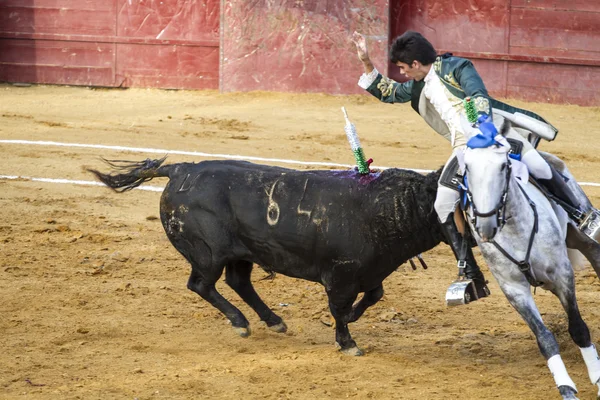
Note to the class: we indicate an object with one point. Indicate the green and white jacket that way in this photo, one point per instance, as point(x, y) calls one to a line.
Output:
point(459, 78)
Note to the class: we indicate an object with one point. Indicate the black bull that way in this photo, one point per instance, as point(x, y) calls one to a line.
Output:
point(344, 230)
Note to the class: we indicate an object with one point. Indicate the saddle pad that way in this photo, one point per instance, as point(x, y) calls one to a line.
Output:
point(451, 176)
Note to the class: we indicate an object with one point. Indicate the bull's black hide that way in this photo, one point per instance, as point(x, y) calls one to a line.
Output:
point(344, 230)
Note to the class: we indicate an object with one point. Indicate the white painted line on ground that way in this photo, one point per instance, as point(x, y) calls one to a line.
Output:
point(201, 154)
point(76, 182)
point(190, 153)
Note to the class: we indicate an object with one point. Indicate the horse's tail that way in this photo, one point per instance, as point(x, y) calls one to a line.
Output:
point(131, 174)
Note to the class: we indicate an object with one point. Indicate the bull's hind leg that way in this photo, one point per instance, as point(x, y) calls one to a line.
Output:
point(203, 283)
point(519, 296)
point(237, 276)
point(565, 291)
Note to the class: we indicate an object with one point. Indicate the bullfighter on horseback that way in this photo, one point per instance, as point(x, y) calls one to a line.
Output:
point(436, 91)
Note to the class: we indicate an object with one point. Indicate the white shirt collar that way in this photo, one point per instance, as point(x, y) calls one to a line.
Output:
point(429, 75)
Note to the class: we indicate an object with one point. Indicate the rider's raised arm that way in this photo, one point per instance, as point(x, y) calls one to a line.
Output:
point(385, 89)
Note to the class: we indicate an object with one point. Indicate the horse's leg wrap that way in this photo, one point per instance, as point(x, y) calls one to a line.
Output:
point(559, 372)
point(592, 362)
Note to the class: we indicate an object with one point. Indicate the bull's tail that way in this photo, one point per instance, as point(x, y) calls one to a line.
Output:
point(131, 174)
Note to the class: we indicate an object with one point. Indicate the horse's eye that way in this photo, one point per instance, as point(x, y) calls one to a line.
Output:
point(503, 167)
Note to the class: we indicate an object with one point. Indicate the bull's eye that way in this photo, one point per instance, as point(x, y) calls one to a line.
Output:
point(503, 167)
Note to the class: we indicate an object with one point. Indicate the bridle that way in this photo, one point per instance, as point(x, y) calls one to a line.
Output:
point(500, 209)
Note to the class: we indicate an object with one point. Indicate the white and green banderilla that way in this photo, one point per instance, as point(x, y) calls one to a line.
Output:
point(359, 155)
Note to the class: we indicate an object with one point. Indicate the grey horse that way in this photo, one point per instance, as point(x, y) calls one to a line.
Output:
point(525, 239)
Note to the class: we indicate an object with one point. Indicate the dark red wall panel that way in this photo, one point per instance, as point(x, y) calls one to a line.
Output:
point(290, 45)
point(545, 50)
point(559, 5)
point(521, 48)
point(166, 43)
point(50, 61)
point(167, 66)
point(555, 33)
point(555, 83)
point(63, 17)
point(191, 20)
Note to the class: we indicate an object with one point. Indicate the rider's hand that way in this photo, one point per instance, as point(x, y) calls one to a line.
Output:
point(361, 46)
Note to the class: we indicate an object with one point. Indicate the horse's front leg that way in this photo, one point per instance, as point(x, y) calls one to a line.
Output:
point(519, 296)
point(565, 290)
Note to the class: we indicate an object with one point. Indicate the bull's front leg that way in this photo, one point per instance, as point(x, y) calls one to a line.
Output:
point(340, 305)
point(370, 298)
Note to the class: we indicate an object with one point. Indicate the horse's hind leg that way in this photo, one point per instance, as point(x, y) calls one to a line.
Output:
point(565, 291)
point(519, 296)
point(237, 276)
point(587, 246)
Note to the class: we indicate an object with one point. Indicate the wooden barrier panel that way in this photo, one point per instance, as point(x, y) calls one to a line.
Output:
point(165, 44)
point(539, 50)
point(299, 46)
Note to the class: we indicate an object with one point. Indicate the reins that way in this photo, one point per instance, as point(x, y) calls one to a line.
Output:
point(524, 266)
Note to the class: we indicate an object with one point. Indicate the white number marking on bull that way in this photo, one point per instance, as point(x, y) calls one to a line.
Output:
point(273, 208)
point(396, 206)
point(308, 213)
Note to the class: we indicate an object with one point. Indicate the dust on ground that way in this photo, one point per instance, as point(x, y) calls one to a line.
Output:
point(94, 298)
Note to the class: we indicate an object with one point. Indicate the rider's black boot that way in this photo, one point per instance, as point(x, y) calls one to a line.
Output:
point(557, 186)
point(588, 221)
point(468, 267)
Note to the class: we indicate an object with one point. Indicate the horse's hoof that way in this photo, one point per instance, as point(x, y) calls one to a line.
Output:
point(279, 328)
point(352, 351)
point(243, 332)
point(567, 393)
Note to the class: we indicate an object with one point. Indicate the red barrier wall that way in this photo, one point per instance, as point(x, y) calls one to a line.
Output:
point(540, 50)
point(299, 45)
point(166, 43)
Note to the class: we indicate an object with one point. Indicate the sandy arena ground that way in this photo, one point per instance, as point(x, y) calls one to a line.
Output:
point(94, 303)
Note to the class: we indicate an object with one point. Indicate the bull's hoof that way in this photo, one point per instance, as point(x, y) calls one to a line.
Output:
point(279, 328)
point(352, 351)
point(243, 332)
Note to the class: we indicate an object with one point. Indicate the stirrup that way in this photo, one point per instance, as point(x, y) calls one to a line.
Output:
point(590, 225)
point(464, 290)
